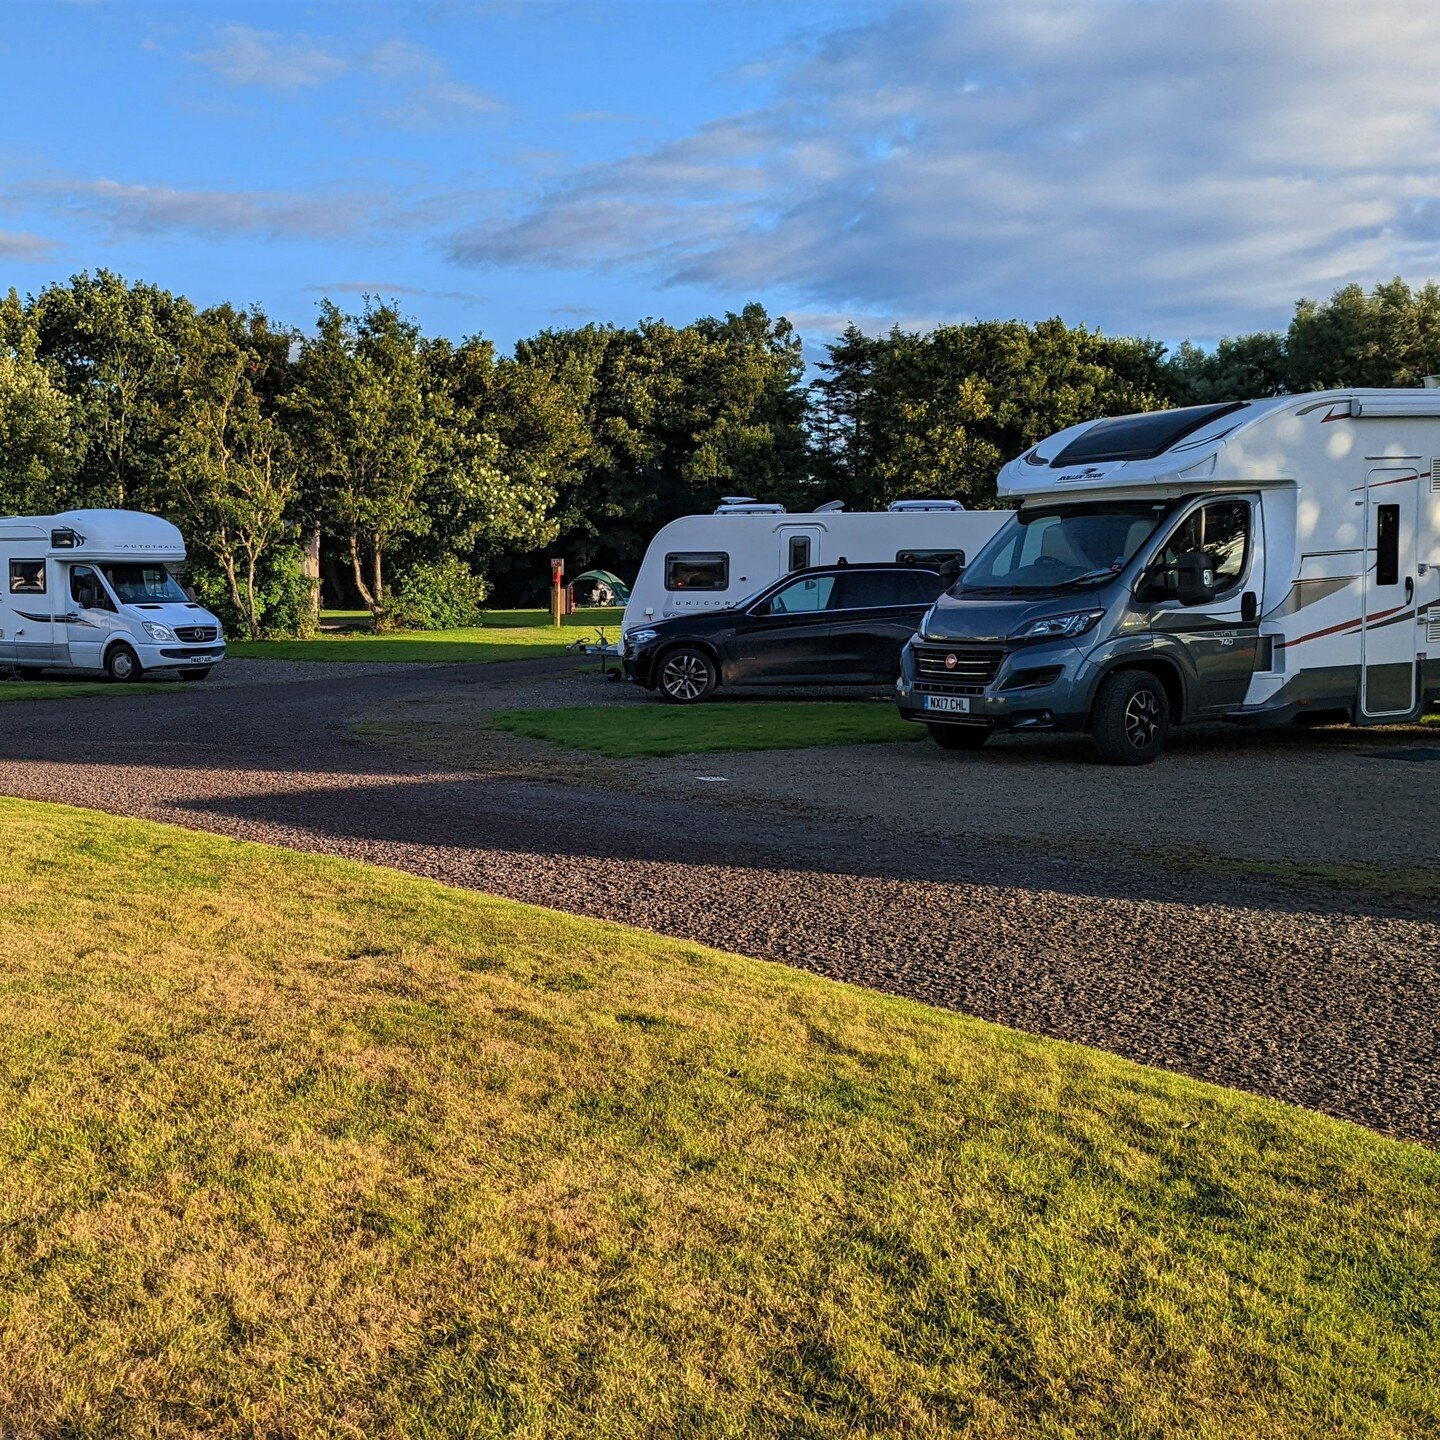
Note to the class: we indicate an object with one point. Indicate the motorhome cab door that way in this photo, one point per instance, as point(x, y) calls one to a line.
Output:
point(1387, 685)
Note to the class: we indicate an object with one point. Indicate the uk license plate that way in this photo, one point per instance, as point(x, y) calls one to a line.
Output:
point(955, 704)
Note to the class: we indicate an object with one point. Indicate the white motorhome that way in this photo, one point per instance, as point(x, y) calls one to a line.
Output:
point(1258, 561)
point(92, 590)
point(708, 562)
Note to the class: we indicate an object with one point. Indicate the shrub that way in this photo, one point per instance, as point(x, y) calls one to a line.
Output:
point(283, 593)
point(442, 595)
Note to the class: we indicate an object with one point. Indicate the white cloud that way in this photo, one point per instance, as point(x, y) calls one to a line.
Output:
point(22, 245)
point(245, 56)
point(129, 210)
point(1162, 166)
point(420, 89)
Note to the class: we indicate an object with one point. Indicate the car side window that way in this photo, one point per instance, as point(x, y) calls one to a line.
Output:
point(1221, 530)
point(872, 589)
point(804, 597)
point(27, 577)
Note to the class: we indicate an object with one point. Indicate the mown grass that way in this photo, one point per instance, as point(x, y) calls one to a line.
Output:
point(505, 635)
point(74, 689)
point(291, 1146)
point(627, 731)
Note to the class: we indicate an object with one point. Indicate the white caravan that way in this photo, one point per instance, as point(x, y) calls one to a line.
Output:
point(708, 562)
point(1258, 561)
point(92, 590)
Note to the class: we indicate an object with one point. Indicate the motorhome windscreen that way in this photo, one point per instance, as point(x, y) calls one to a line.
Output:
point(144, 584)
point(1139, 437)
point(1047, 549)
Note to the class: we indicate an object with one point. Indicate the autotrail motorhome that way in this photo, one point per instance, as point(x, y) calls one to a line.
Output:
point(93, 590)
point(1260, 561)
point(709, 562)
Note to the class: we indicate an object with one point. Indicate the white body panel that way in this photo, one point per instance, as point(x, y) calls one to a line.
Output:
point(45, 620)
point(760, 548)
point(1324, 467)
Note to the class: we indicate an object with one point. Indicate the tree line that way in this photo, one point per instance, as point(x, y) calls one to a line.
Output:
point(418, 476)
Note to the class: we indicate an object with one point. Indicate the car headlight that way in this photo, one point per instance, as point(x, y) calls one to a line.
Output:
point(637, 638)
point(1060, 627)
point(157, 632)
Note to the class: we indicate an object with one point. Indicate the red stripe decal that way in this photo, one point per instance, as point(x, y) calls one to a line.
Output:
point(1345, 625)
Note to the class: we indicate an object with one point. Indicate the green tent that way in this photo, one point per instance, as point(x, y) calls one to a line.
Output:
point(620, 589)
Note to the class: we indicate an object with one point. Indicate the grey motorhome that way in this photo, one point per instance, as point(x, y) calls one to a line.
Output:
point(1259, 561)
point(93, 590)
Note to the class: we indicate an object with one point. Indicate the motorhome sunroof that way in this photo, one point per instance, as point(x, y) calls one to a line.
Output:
point(1139, 437)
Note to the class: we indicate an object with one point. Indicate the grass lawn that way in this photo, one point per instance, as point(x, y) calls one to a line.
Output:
point(505, 635)
point(625, 731)
point(74, 689)
point(292, 1146)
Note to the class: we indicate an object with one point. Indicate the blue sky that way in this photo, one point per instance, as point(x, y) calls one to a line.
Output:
point(1170, 167)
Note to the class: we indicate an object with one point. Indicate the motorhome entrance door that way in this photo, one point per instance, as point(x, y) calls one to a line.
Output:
point(1387, 685)
point(799, 547)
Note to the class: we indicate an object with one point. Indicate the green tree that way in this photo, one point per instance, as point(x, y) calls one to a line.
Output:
point(1244, 367)
point(119, 350)
point(234, 475)
point(37, 449)
point(1382, 337)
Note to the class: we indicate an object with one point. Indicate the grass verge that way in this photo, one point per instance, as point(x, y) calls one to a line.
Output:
point(73, 689)
point(293, 1146)
point(505, 635)
point(627, 731)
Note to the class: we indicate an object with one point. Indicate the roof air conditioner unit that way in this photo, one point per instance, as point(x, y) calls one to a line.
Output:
point(911, 505)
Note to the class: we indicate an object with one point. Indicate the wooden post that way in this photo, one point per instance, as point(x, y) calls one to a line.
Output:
point(557, 592)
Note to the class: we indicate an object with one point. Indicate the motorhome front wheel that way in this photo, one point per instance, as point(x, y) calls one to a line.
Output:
point(122, 664)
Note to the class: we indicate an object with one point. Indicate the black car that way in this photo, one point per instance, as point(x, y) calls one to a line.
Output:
point(827, 625)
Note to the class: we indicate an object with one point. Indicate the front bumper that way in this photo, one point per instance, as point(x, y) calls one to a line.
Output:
point(1034, 687)
point(171, 655)
point(639, 665)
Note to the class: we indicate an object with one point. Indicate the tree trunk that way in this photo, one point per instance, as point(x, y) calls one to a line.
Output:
point(252, 608)
point(371, 603)
point(227, 563)
point(310, 571)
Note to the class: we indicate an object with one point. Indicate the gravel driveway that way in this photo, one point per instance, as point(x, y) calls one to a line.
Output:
point(1328, 1001)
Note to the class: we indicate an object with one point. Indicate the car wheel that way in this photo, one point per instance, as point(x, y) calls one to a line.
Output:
point(959, 737)
point(199, 674)
point(122, 665)
point(1131, 718)
point(687, 677)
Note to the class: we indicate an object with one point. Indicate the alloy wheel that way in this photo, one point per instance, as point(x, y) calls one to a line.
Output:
point(685, 677)
point(1142, 719)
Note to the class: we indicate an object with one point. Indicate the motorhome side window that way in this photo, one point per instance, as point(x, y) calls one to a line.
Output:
point(697, 570)
point(1222, 531)
point(27, 577)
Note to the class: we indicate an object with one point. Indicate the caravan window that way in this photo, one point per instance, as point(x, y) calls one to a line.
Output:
point(697, 570)
point(934, 558)
point(27, 577)
point(799, 552)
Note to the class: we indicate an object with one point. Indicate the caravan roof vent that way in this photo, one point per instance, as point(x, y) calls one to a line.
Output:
point(744, 505)
point(926, 505)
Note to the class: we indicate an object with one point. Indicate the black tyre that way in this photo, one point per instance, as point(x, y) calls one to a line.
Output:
point(1131, 718)
point(959, 737)
point(122, 665)
point(198, 674)
point(686, 676)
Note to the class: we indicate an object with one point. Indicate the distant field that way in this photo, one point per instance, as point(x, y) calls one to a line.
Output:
point(505, 635)
point(292, 1146)
point(659, 729)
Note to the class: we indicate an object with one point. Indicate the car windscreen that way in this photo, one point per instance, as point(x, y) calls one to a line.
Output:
point(1048, 549)
point(142, 584)
point(1139, 437)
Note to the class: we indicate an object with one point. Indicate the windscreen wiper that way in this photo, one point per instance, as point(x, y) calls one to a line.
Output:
point(1087, 576)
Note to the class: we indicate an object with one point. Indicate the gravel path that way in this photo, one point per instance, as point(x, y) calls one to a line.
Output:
point(1327, 1002)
